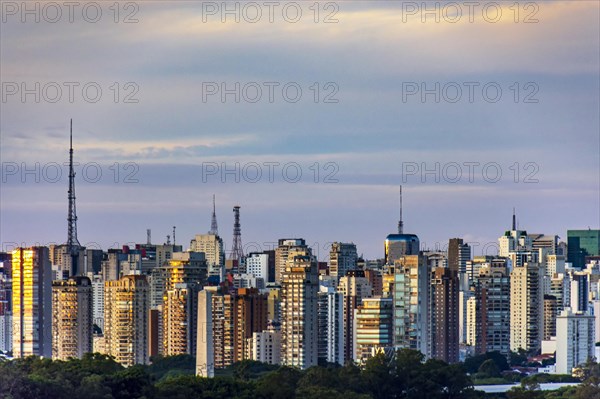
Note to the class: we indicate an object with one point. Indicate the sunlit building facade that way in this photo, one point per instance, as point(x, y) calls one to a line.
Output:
point(72, 313)
point(126, 313)
point(32, 302)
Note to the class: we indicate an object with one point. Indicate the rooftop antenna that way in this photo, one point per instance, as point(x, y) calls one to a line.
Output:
point(514, 220)
point(214, 229)
point(73, 244)
point(148, 236)
point(400, 222)
point(173, 235)
point(168, 239)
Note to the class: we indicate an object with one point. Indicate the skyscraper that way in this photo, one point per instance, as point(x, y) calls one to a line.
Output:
point(205, 363)
point(5, 303)
point(444, 314)
point(492, 303)
point(342, 258)
point(354, 287)
point(331, 326)
point(179, 319)
point(212, 246)
point(458, 255)
point(250, 316)
point(32, 302)
point(299, 288)
point(374, 328)
point(183, 267)
point(411, 303)
point(526, 307)
point(72, 314)
point(126, 312)
point(574, 340)
point(281, 254)
point(580, 244)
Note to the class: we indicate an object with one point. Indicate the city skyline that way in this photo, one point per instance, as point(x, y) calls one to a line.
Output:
point(370, 141)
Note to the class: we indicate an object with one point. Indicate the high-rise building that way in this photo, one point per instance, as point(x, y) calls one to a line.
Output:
point(72, 314)
point(98, 300)
point(5, 302)
point(111, 264)
point(574, 340)
point(444, 314)
point(32, 302)
point(342, 258)
point(526, 307)
point(250, 316)
point(374, 328)
point(299, 289)
point(411, 303)
point(579, 290)
point(514, 240)
point(560, 288)
point(544, 241)
point(212, 246)
point(126, 312)
point(491, 308)
point(257, 264)
point(471, 329)
point(281, 254)
point(183, 267)
point(399, 245)
point(555, 264)
point(223, 328)
point(265, 346)
point(458, 255)
point(179, 319)
point(205, 358)
point(375, 279)
point(550, 313)
point(581, 244)
point(331, 326)
point(354, 287)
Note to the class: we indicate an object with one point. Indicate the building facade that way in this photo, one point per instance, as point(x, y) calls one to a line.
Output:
point(72, 318)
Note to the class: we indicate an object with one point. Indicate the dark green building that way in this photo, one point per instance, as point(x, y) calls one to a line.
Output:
point(582, 243)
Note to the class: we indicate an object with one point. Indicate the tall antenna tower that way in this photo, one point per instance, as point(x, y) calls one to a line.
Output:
point(400, 222)
point(514, 222)
point(214, 229)
point(236, 251)
point(148, 236)
point(174, 235)
point(73, 245)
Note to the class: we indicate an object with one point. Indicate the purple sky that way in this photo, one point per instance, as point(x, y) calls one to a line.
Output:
point(376, 136)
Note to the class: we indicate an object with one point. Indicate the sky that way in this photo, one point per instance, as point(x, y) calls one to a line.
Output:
point(307, 115)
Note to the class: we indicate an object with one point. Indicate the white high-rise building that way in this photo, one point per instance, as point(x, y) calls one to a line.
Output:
point(526, 307)
point(98, 300)
point(265, 346)
point(331, 325)
point(205, 355)
point(575, 340)
point(257, 264)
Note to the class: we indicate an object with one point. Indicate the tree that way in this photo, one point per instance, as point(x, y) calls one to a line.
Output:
point(279, 384)
point(590, 386)
point(489, 369)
